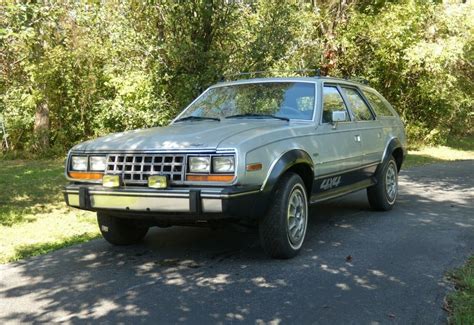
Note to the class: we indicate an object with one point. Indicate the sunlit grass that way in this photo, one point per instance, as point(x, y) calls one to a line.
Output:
point(428, 155)
point(33, 217)
point(461, 302)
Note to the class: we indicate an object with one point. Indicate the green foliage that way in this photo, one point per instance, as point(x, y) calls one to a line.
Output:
point(461, 302)
point(93, 68)
point(417, 55)
point(30, 202)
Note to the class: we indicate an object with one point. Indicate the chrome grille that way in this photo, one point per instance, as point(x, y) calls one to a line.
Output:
point(136, 168)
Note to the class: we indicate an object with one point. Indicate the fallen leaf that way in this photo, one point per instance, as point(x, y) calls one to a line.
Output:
point(446, 306)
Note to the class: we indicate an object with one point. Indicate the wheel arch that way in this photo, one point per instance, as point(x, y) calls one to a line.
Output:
point(394, 148)
point(295, 160)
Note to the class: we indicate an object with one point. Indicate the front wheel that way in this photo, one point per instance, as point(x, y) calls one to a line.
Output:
point(119, 231)
point(283, 229)
point(382, 196)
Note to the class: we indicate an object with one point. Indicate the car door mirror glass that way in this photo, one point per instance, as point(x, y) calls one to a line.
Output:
point(339, 116)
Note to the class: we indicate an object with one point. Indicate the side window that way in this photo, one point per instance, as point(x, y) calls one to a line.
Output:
point(332, 101)
point(378, 105)
point(358, 106)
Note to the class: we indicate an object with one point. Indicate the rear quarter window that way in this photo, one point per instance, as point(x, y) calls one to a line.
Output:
point(377, 103)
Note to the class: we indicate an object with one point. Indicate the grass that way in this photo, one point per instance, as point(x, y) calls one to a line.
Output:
point(461, 301)
point(460, 150)
point(33, 217)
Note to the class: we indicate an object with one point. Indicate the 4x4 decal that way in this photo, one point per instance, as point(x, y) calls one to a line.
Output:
point(331, 182)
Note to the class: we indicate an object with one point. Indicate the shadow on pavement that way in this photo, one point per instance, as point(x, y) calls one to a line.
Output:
point(356, 266)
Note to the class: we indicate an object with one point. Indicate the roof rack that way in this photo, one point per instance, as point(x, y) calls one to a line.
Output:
point(317, 72)
point(358, 79)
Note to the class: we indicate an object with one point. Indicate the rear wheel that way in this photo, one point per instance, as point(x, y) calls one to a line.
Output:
point(119, 231)
point(283, 229)
point(382, 196)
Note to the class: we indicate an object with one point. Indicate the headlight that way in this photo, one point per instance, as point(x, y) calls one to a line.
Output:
point(98, 163)
point(79, 163)
point(199, 164)
point(223, 164)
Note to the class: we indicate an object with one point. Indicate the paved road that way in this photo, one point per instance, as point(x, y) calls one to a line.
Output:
point(201, 276)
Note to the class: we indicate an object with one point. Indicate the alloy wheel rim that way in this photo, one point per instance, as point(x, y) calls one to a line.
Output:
point(391, 182)
point(297, 217)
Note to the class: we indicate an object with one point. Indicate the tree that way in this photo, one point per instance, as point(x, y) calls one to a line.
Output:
point(77, 70)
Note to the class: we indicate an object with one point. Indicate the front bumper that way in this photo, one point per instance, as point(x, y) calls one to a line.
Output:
point(230, 201)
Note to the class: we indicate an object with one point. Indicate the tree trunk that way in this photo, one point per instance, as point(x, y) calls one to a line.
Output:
point(41, 127)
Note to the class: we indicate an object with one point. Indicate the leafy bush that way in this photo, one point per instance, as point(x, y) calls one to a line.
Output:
point(74, 71)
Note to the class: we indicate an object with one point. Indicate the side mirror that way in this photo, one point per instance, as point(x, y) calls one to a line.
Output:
point(339, 116)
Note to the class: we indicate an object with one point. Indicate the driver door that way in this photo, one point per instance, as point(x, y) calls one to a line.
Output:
point(339, 149)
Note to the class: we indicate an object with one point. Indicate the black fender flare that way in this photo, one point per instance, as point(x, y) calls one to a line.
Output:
point(393, 143)
point(284, 163)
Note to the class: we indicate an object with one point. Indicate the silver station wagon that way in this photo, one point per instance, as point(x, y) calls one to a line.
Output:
point(255, 152)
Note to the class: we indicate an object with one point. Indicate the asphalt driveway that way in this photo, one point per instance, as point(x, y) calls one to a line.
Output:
point(357, 266)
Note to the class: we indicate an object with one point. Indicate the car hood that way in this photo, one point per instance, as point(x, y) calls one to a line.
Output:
point(184, 135)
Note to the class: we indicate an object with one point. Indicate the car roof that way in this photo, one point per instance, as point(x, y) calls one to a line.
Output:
point(292, 79)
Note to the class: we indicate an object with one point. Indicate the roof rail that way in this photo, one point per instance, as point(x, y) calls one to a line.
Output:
point(358, 79)
point(317, 73)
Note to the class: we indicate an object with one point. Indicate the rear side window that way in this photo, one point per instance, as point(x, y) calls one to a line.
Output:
point(358, 106)
point(332, 101)
point(380, 108)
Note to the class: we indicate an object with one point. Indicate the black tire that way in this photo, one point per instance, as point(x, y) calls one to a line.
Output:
point(120, 231)
point(274, 227)
point(381, 198)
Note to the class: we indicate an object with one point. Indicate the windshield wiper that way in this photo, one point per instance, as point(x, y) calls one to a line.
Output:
point(258, 116)
point(197, 118)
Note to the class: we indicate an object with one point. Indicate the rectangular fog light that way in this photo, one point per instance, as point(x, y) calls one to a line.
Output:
point(157, 181)
point(111, 181)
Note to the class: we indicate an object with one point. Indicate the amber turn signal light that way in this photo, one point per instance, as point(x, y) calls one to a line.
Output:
point(210, 178)
point(84, 175)
point(253, 167)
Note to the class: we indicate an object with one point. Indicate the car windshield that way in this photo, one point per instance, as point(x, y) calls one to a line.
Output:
point(283, 100)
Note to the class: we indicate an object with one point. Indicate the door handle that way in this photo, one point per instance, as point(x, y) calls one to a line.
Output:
point(357, 138)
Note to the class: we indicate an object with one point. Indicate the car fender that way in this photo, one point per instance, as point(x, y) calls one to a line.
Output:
point(284, 163)
point(392, 144)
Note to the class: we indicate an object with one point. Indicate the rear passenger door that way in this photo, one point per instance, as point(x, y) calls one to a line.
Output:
point(368, 129)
